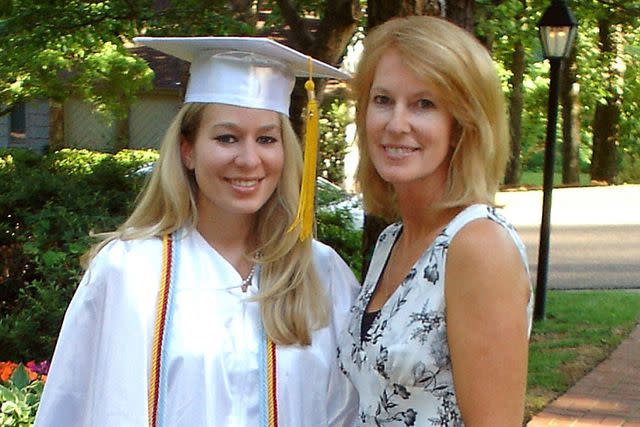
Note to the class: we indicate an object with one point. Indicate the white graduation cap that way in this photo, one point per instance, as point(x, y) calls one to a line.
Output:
point(243, 71)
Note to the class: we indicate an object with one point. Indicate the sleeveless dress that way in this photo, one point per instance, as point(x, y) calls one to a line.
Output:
point(401, 366)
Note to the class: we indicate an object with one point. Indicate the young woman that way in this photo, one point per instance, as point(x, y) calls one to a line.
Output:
point(203, 308)
point(439, 333)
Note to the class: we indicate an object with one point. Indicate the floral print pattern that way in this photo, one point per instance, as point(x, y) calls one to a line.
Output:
point(402, 367)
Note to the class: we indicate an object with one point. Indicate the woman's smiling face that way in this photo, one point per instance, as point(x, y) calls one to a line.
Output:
point(237, 158)
point(408, 131)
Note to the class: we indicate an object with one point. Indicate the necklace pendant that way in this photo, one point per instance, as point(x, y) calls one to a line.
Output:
point(247, 282)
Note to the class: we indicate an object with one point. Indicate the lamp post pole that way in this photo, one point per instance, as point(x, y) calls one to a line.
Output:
point(547, 186)
point(557, 30)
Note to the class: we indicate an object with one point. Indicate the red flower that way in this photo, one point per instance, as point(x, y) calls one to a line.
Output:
point(6, 369)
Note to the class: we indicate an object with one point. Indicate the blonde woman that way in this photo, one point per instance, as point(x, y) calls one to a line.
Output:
point(204, 308)
point(439, 333)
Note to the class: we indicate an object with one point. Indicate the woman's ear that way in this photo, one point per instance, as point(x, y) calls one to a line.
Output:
point(186, 152)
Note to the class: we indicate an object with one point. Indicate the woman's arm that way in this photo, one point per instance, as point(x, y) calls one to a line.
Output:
point(486, 291)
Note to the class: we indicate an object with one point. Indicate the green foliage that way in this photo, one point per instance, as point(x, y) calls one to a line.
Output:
point(336, 224)
point(49, 205)
point(79, 48)
point(629, 171)
point(60, 49)
point(336, 229)
point(535, 178)
point(332, 145)
point(501, 25)
point(19, 399)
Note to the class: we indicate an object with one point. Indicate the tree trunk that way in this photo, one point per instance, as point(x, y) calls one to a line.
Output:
point(569, 96)
point(516, 104)
point(56, 126)
point(606, 121)
point(460, 12)
point(327, 44)
point(379, 11)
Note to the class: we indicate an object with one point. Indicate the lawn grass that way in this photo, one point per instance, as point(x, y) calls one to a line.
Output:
point(534, 179)
point(580, 330)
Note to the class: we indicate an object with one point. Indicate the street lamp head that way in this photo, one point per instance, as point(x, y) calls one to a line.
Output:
point(558, 28)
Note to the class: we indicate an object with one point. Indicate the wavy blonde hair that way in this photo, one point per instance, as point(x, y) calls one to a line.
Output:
point(292, 300)
point(463, 76)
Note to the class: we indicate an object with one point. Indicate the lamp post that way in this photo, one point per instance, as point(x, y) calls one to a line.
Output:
point(558, 28)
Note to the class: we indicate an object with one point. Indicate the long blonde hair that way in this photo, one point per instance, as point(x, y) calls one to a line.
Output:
point(464, 77)
point(292, 300)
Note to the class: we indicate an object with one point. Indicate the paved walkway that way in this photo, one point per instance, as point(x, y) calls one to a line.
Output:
point(607, 396)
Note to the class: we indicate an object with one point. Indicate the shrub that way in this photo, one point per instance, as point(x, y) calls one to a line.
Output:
point(332, 144)
point(335, 228)
point(49, 205)
point(337, 225)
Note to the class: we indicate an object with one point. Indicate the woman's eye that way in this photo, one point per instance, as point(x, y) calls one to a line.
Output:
point(225, 139)
point(381, 99)
point(266, 139)
point(426, 103)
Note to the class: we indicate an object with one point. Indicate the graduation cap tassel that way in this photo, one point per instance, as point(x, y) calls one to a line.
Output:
point(306, 205)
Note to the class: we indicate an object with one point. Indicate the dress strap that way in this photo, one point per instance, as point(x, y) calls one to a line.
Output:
point(467, 215)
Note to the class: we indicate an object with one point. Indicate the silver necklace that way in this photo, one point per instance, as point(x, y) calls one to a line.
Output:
point(246, 282)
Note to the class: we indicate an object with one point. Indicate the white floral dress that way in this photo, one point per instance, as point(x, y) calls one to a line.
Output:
point(401, 366)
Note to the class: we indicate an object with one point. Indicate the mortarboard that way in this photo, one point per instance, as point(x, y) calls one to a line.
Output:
point(257, 73)
point(248, 72)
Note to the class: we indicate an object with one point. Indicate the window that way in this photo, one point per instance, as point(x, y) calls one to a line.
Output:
point(19, 120)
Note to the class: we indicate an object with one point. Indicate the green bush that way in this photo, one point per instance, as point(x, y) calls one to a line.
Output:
point(332, 144)
point(336, 224)
point(49, 205)
point(336, 230)
point(629, 168)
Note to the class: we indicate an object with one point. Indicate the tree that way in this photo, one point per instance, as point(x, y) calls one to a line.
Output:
point(80, 49)
point(569, 97)
point(336, 25)
point(516, 106)
point(514, 54)
point(607, 88)
point(379, 11)
point(75, 50)
point(606, 121)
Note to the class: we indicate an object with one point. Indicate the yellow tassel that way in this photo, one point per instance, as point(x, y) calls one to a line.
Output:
point(306, 204)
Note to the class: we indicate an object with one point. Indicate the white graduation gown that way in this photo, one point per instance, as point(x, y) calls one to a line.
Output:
point(100, 369)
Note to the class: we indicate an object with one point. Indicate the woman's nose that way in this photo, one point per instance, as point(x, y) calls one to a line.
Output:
point(399, 119)
point(247, 155)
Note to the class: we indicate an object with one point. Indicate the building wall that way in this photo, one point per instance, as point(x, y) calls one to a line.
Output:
point(85, 128)
point(145, 126)
point(5, 124)
point(37, 125)
point(149, 119)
